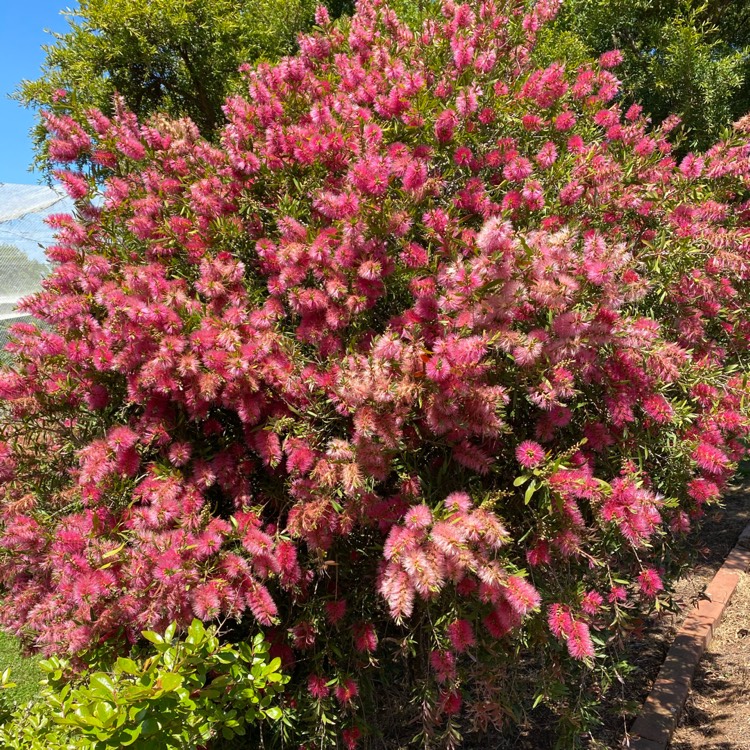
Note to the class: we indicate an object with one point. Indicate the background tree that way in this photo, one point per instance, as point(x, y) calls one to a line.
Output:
point(19, 274)
point(679, 57)
point(175, 56)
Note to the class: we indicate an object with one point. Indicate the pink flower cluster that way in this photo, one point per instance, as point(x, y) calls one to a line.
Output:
point(292, 376)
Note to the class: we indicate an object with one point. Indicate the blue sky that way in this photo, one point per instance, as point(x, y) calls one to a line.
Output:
point(22, 25)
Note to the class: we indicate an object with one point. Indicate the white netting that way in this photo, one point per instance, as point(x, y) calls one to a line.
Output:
point(24, 235)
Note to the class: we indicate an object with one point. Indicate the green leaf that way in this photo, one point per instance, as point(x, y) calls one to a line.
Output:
point(131, 735)
point(530, 490)
point(150, 726)
point(171, 681)
point(518, 481)
point(101, 683)
point(127, 666)
point(273, 713)
point(170, 631)
point(104, 712)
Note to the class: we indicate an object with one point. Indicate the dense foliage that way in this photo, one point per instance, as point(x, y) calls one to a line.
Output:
point(176, 56)
point(686, 58)
point(426, 369)
point(179, 695)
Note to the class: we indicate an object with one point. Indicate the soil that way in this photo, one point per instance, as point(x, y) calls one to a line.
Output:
point(717, 713)
point(716, 539)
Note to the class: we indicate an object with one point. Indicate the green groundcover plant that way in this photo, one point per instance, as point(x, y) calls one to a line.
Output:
point(180, 696)
point(426, 368)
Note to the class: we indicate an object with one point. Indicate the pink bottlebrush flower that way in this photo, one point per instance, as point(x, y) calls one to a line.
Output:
point(710, 458)
point(680, 523)
point(445, 125)
point(568, 542)
point(617, 594)
point(461, 635)
point(458, 501)
point(257, 542)
point(658, 408)
point(335, 610)
point(179, 453)
point(532, 123)
point(426, 569)
point(634, 112)
point(398, 591)
point(75, 184)
point(450, 702)
point(692, 166)
point(539, 554)
point(415, 175)
point(365, 637)
point(501, 620)
point(317, 687)
point(703, 491)
point(261, 604)
point(351, 737)
point(346, 691)
point(300, 456)
point(570, 193)
point(402, 539)
point(290, 573)
point(547, 155)
point(518, 169)
point(576, 144)
point(565, 120)
point(645, 146)
point(496, 236)
point(131, 147)
point(559, 620)
point(303, 635)
point(529, 454)
point(521, 595)
point(591, 602)
point(322, 17)
point(611, 58)
point(580, 645)
point(444, 665)
point(418, 517)
point(462, 156)
point(649, 582)
point(206, 601)
point(414, 255)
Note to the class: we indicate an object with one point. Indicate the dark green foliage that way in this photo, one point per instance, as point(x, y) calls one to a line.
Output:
point(681, 58)
point(175, 56)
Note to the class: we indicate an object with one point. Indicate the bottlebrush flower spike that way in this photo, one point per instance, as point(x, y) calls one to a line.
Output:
point(529, 454)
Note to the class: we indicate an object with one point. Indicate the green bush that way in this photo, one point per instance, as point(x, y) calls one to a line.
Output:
point(180, 695)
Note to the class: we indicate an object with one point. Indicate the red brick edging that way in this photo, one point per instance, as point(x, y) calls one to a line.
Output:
point(653, 728)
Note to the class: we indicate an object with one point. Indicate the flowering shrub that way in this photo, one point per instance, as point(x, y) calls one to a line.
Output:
point(437, 356)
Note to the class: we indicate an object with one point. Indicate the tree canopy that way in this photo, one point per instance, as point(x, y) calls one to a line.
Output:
point(176, 56)
point(19, 274)
point(680, 57)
